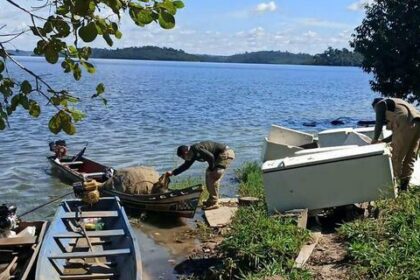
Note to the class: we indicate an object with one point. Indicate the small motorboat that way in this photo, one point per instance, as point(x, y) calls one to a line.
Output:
point(90, 242)
point(78, 168)
point(19, 251)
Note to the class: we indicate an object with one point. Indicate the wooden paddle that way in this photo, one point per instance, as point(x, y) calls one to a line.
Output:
point(5, 275)
point(98, 262)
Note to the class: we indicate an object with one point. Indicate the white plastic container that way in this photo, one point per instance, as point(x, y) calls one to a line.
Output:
point(328, 179)
point(282, 142)
point(347, 136)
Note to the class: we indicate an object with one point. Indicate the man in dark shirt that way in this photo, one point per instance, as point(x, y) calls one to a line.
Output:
point(217, 155)
point(404, 121)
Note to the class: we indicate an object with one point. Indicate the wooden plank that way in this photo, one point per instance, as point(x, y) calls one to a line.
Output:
point(306, 250)
point(98, 233)
point(72, 162)
point(93, 174)
point(220, 217)
point(90, 214)
point(75, 255)
point(89, 276)
point(11, 241)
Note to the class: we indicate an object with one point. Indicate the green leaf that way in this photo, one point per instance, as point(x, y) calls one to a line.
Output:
point(77, 115)
point(108, 39)
point(178, 4)
point(66, 66)
point(72, 50)
point(69, 128)
point(169, 7)
point(144, 16)
point(2, 124)
point(166, 20)
point(88, 32)
point(89, 67)
point(100, 88)
point(55, 124)
point(1, 66)
point(15, 102)
point(62, 27)
point(24, 101)
point(51, 55)
point(34, 109)
point(77, 72)
point(118, 34)
point(26, 87)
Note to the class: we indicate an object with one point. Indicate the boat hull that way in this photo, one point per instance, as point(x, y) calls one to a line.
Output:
point(181, 203)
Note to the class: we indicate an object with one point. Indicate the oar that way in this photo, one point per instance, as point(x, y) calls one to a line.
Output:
point(5, 275)
point(79, 154)
point(82, 227)
point(45, 204)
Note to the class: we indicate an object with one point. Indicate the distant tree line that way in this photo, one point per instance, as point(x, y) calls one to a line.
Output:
point(331, 56)
point(338, 57)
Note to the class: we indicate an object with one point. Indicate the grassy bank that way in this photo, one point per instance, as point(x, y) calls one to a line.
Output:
point(258, 245)
point(387, 247)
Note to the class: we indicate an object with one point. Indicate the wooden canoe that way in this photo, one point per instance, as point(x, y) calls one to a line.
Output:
point(113, 252)
point(26, 249)
point(182, 203)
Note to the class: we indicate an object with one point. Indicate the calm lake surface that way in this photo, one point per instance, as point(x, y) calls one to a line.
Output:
point(155, 106)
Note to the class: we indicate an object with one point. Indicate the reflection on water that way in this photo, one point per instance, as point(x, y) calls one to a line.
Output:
point(156, 106)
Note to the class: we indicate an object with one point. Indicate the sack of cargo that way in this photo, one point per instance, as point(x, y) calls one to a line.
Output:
point(133, 180)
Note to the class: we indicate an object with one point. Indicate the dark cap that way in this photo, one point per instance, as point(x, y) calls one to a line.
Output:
point(181, 150)
point(376, 101)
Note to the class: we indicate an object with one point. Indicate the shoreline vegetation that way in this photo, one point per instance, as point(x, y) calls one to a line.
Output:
point(330, 57)
point(261, 246)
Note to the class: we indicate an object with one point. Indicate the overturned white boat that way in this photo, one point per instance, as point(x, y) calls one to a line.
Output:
point(329, 178)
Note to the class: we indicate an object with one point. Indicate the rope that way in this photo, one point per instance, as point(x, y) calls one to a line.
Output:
point(45, 204)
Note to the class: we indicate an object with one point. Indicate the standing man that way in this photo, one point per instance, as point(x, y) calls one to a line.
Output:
point(404, 121)
point(217, 155)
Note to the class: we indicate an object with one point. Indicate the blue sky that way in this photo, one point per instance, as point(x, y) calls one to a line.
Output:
point(234, 26)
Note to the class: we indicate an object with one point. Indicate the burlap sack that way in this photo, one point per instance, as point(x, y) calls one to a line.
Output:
point(133, 180)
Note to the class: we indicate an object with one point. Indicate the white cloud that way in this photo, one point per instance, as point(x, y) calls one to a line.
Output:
point(315, 22)
point(266, 7)
point(310, 34)
point(359, 5)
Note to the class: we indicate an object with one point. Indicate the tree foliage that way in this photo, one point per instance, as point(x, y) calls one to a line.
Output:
point(66, 33)
point(338, 57)
point(389, 40)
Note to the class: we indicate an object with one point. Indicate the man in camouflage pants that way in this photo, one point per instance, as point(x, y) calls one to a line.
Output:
point(217, 155)
point(404, 121)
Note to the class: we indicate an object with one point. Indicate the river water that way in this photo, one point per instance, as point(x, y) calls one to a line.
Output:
point(155, 106)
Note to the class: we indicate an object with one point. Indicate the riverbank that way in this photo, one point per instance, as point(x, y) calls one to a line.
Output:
point(259, 246)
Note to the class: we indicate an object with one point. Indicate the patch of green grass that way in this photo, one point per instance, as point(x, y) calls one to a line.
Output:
point(258, 245)
point(185, 183)
point(250, 180)
point(258, 242)
point(387, 247)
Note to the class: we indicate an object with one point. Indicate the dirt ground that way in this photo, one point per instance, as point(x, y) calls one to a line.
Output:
point(329, 259)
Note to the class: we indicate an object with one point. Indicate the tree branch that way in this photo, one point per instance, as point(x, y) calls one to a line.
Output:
point(25, 10)
point(30, 72)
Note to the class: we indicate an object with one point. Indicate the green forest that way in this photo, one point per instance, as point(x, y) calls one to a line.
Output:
point(333, 57)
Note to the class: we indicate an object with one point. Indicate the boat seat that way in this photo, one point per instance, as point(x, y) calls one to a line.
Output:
point(18, 241)
point(90, 214)
point(72, 162)
point(90, 276)
point(93, 174)
point(98, 233)
point(81, 255)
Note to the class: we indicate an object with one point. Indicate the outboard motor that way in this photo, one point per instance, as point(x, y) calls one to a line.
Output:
point(58, 147)
point(8, 218)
